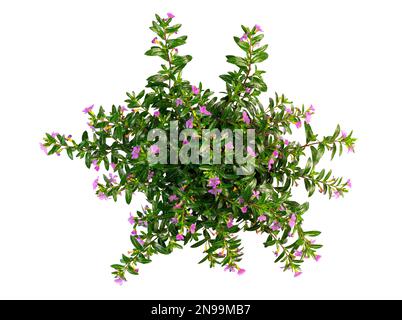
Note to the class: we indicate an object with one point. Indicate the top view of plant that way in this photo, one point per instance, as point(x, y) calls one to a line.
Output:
point(207, 205)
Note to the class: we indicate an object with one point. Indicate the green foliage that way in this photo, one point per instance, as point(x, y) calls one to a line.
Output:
point(204, 220)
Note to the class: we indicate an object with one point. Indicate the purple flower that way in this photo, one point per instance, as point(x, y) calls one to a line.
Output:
point(174, 220)
point(230, 268)
point(43, 147)
point(251, 152)
point(95, 164)
point(275, 226)
point(185, 141)
point(102, 196)
point(95, 183)
point(286, 142)
point(123, 109)
point(112, 178)
point(308, 117)
point(244, 209)
point(349, 183)
point(131, 219)
point(270, 164)
point(133, 232)
point(177, 206)
point(258, 28)
point(179, 102)
point(311, 109)
point(150, 175)
point(215, 191)
point(213, 182)
point(195, 90)
point(344, 134)
point(113, 165)
point(154, 149)
point(297, 274)
point(157, 114)
point(275, 154)
point(88, 109)
point(256, 194)
point(317, 258)
point(119, 281)
point(241, 271)
point(248, 90)
point(155, 40)
point(336, 194)
point(90, 125)
point(298, 253)
point(203, 110)
point(244, 37)
point(292, 220)
point(246, 119)
point(262, 218)
point(135, 153)
point(189, 123)
point(170, 15)
point(229, 224)
point(288, 110)
point(192, 228)
point(179, 237)
point(54, 134)
point(173, 197)
point(140, 241)
point(298, 124)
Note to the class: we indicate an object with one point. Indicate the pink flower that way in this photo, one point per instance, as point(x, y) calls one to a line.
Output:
point(292, 220)
point(174, 220)
point(251, 152)
point(297, 274)
point(213, 182)
point(275, 154)
point(241, 200)
point(154, 149)
point(192, 228)
point(113, 165)
point(262, 218)
point(244, 209)
point(349, 183)
point(229, 224)
point(195, 90)
point(311, 108)
point(140, 241)
point(229, 146)
point(298, 124)
point(119, 281)
point(54, 134)
point(248, 90)
point(102, 196)
point(308, 117)
point(131, 219)
point(241, 271)
point(88, 109)
point(270, 164)
point(95, 183)
point(258, 28)
point(351, 148)
point(298, 253)
point(185, 141)
point(317, 258)
point(179, 237)
point(203, 110)
point(155, 40)
point(177, 206)
point(246, 119)
point(215, 191)
point(150, 175)
point(112, 178)
point(173, 197)
point(336, 194)
point(288, 110)
point(123, 109)
point(170, 15)
point(344, 134)
point(230, 268)
point(95, 164)
point(133, 232)
point(256, 194)
point(135, 153)
point(244, 37)
point(157, 113)
point(286, 142)
point(275, 226)
point(179, 102)
point(43, 147)
point(189, 123)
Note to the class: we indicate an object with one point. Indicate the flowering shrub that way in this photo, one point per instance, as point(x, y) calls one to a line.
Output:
point(208, 204)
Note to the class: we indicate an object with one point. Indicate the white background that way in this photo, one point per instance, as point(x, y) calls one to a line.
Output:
point(57, 239)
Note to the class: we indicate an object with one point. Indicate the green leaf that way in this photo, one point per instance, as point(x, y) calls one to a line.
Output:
point(199, 243)
point(238, 61)
point(70, 153)
point(156, 51)
point(129, 195)
point(260, 57)
point(173, 43)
